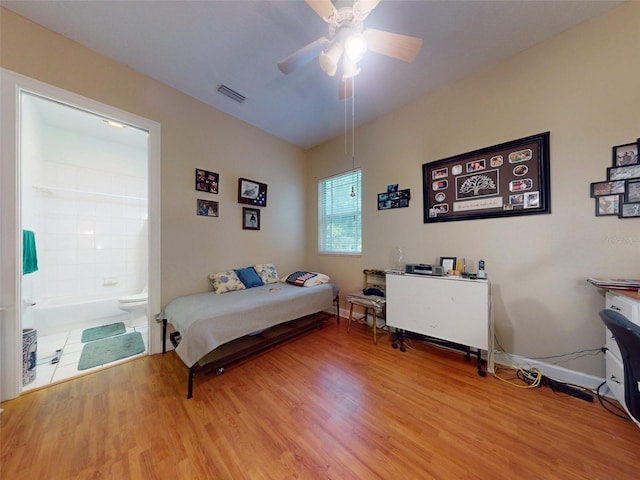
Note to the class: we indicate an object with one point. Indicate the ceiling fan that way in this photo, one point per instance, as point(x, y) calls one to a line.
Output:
point(347, 41)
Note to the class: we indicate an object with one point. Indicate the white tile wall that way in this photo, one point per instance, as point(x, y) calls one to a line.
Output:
point(87, 204)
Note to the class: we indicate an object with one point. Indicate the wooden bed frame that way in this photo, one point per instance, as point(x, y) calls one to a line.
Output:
point(243, 347)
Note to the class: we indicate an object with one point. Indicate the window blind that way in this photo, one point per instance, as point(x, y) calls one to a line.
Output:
point(339, 214)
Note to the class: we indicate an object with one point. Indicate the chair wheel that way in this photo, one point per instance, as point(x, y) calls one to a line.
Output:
point(403, 348)
point(394, 345)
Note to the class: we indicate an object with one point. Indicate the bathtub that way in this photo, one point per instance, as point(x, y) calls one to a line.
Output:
point(58, 316)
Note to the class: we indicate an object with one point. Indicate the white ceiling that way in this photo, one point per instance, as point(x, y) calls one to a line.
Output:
point(194, 46)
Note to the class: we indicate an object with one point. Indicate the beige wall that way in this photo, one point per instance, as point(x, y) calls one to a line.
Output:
point(583, 87)
point(193, 135)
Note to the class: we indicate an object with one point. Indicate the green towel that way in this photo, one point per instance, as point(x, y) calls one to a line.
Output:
point(29, 257)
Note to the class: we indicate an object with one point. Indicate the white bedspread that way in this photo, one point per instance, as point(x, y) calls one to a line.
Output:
point(208, 320)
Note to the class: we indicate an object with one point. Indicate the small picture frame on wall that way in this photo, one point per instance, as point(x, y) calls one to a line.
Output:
point(250, 218)
point(607, 188)
point(251, 192)
point(207, 181)
point(630, 210)
point(623, 173)
point(633, 190)
point(624, 155)
point(207, 208)
point(448, 264)
point(607, 205)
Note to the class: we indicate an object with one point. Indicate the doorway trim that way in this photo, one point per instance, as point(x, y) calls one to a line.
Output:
point(11, 86)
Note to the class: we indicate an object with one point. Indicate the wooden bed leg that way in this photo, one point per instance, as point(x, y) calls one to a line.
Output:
point(192, 373)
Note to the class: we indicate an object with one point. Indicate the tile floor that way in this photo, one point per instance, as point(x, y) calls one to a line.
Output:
point(67, 347)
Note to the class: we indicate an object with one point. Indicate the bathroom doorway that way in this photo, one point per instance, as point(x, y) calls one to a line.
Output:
point(86, 228)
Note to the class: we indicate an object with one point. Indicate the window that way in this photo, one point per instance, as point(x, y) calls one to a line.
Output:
point(339, 214)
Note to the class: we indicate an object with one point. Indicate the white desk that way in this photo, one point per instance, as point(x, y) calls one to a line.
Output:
point(452, 309)
point(627, 304)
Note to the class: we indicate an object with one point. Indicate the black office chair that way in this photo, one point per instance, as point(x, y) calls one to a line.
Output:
point(627, 336)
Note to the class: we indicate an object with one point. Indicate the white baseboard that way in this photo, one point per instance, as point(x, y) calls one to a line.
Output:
point(553, 371)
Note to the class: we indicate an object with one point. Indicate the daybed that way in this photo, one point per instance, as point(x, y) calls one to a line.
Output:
point(244, 315)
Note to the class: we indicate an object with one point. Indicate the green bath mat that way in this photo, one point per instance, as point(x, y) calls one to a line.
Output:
point(104, 331)
point(110, 349)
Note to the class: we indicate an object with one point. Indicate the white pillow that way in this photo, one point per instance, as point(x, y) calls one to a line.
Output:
point(223, 282)
point(267, 272)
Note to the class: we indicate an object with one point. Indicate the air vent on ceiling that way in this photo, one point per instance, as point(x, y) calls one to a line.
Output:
point(232, 94)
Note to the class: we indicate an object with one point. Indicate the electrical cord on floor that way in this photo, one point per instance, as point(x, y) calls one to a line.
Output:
point(604, 400)
point(532, 377)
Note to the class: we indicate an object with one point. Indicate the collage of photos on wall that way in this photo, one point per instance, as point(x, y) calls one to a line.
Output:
point(254, 193)
point(619, 194)
point(503, 180)
point(207, 182)
point(394, 198)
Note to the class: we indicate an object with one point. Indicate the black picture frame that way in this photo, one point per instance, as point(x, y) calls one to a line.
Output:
point(607, 188)
point(448, 263)
point(207, 181)
point(394, 199)
point(251, 192)
point(629, 210)
point(250, 218)
point(632, 190)
point(508, 179)
point(624, 155)
point(623, 173)
point(608, 205)
point(207, 208)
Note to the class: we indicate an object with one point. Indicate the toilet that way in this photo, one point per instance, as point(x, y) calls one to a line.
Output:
point(136, 305)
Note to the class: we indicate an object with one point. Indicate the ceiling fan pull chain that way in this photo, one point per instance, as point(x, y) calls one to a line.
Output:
point(353, 122)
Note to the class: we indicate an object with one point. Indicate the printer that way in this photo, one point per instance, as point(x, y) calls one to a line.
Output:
point(424, 269)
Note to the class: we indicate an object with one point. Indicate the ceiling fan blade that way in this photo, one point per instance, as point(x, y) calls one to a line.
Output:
point(324, 8)
point(303, 56)
point(345, 89)
point(396, 45)
point(365, 6)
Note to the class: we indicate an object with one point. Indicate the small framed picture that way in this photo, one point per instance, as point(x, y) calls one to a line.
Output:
point(207, 208)
point(251, 192)
point(607, 205)
point(624, 172)
point(630, 210)
point(250, 218)
point(632, 190)
point(607, 188)
point(206, 181)
point(624, 155)
point(448, 264)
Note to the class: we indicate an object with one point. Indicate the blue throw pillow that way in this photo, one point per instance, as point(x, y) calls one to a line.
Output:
point(249, 277)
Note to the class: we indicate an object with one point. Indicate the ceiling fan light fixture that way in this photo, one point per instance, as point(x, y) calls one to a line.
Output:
point(329, 59)
point(354, 47)
point(349, 68)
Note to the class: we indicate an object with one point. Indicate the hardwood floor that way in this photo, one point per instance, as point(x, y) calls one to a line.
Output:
point(326, 405)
